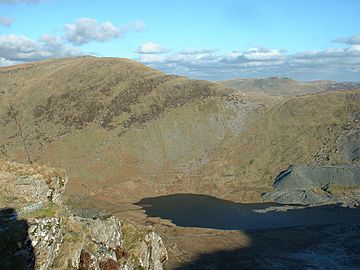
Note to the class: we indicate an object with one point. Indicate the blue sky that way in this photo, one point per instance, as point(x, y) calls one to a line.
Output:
point(302, 39)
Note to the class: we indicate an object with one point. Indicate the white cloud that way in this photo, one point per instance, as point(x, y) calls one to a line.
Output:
point(197, 51)
point(337, 64)
point(5, 62)
point(262, 54)
point(18, 48)
point(353, 40)
point(151, 48)
point(5, 21)
point(85, 30)
point(255, 54)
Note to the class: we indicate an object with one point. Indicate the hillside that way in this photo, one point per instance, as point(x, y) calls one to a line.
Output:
point(123, 131)
point(287, 87)
point(124, 123)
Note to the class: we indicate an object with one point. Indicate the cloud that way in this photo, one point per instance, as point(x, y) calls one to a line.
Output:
point(197, 51)
point(85, 30)
point(5, 21)
point(151, 48)
point(5, 62)
point(18, 48)
point(14, 2)
point(336, 64)
point(353, 40)
point(261, 53)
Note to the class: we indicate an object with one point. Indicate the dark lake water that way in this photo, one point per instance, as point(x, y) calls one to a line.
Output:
point(190, 210)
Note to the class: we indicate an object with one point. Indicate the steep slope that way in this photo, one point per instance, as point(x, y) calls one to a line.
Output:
point(129, 128)
point(135, 132)
point(286, 86)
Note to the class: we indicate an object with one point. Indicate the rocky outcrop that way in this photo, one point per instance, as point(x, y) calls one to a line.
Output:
point(316, 184)
point(38, 232)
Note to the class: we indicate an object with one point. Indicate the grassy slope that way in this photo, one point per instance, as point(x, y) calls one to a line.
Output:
point(107, 121)
point(124, 131)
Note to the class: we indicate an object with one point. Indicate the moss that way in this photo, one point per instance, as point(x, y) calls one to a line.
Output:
point(132, 236)
point(72, 237)
point(48, 210)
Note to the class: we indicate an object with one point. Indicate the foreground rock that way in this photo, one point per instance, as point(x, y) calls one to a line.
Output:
point(316, 185)
point(38, 232)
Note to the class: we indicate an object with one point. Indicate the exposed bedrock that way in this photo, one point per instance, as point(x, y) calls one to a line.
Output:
point(305, 185)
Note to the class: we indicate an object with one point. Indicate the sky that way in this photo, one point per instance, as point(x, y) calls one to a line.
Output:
point(202, 39)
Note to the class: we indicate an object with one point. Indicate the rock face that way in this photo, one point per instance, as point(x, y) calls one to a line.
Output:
point(316, 184)
point(38, 232)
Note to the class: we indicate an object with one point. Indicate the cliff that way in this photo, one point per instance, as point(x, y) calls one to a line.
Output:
point(37, 231)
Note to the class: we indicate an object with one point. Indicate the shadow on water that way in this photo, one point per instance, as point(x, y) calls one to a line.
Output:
point(16, 251)
point(298, 248)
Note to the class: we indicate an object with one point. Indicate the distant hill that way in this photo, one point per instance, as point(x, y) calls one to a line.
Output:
point(124, 131)
point(283, 86)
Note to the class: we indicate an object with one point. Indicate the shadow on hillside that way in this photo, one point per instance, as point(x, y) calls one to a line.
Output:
point(224, 260)
point(297, 248)
point(16, 251)
point(247, 258)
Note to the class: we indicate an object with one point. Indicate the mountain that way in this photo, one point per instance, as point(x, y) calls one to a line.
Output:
point(123, 131)
point(282, 86)
point(123, 123)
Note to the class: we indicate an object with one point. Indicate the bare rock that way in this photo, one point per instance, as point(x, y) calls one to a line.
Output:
point(46, 237)
point(157, 254)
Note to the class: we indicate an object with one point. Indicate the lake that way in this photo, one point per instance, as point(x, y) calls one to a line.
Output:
point(193, 210)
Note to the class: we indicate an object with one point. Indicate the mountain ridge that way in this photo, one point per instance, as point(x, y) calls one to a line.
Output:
point(135, 132)
point(283, 86)
point(124, 132)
